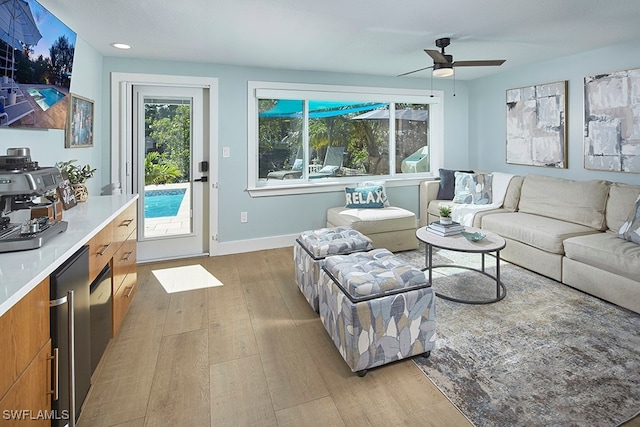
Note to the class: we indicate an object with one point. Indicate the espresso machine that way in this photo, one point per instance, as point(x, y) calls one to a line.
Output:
point(21, 182)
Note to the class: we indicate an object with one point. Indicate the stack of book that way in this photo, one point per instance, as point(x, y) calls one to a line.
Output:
point(445, 229)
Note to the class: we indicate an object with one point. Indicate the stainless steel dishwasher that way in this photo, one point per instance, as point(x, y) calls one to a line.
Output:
point(101, 317)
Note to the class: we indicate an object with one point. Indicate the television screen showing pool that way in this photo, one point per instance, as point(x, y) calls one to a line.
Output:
point(36, 65)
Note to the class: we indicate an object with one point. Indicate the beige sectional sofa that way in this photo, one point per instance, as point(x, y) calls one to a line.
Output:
point(565, 230)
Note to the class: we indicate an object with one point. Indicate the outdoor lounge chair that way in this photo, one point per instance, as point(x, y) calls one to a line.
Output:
point(15, 112)
point(294, 173)
point(416, 162)
point(332, 163)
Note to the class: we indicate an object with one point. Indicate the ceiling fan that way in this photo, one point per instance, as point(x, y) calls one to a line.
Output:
point(443, 64)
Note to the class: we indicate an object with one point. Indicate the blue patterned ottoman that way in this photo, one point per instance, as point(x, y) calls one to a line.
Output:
point(376, 308)
point(311, 249)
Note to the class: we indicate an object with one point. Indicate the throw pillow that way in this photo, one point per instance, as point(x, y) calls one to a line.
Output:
point(630, 230)
point(385, 199)
point(297, 165)
point(446, 190)
point(1, 108)
point(366, 197)
point(329, 170)
point(473, 189)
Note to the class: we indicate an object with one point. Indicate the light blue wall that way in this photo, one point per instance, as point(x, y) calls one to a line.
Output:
point(487, 110)
point(284, 215)
point(47, 146)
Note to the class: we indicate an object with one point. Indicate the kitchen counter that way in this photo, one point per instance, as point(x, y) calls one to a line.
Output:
point(21, 271)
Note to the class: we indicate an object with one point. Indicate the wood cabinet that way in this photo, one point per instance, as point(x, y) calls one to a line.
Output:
point(124, 270)
point(25, 363)
point(116, 243)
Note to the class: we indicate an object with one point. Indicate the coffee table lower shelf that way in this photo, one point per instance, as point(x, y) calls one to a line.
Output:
point(492, 243)
point(501, 290)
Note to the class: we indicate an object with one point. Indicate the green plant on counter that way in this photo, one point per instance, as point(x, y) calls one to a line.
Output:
point(75, 174)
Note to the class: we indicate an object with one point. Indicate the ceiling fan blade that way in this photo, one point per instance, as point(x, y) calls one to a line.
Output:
point(436, 56)
point(414, 71)
point(487, 63)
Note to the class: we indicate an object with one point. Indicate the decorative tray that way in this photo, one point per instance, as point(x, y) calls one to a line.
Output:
point(473, 237)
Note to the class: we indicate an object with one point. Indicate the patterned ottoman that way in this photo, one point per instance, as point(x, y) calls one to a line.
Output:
point(376, 308)
point(311, 249)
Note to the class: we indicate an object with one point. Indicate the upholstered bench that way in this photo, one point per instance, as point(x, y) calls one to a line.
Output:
point(388, 227)
point(376, 308)
point(311, 249)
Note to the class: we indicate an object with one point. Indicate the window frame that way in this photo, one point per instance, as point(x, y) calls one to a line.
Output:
point(300, 91)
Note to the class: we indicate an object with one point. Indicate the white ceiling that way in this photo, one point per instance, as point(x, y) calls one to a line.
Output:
point(379, 37)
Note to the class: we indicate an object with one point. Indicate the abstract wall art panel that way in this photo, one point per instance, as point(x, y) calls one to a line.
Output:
point(612, 121)
point(536, 125)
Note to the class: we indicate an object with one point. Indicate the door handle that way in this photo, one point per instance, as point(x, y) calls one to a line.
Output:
point(203, 179)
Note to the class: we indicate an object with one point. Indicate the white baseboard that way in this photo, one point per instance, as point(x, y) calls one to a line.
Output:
point(241, 246)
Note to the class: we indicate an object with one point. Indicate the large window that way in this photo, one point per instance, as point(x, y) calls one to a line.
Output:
point(302, 135)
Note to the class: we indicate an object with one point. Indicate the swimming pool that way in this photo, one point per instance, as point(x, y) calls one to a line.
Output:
point(45, 97)
point(159, 203)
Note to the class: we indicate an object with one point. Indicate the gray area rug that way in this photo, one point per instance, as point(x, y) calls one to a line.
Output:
point(546, 355)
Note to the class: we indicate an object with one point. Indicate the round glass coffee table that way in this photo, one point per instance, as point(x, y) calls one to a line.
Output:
point(458, 243)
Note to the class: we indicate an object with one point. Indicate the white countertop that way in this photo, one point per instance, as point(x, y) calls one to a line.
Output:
point(22, 271)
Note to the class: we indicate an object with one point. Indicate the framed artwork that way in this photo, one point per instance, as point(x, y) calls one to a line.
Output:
point(79, 131)
point(536, 125)
point(66, 195)
point(612, 121)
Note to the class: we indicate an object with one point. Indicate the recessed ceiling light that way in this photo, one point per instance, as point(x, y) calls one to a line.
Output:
point(121, 46)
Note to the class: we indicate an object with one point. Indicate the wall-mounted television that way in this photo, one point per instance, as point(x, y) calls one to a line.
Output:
point(36, 65)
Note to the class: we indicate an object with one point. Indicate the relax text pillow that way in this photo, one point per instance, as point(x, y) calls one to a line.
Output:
point(366, 196)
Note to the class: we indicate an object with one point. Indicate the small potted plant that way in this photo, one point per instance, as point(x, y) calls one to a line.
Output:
point(77, 176)
point(445, 214)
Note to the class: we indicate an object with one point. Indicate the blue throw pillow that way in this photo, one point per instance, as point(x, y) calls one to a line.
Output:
point(365, 197)
point(1, 108)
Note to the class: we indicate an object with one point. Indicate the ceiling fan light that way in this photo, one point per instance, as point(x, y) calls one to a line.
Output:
point(442, 70)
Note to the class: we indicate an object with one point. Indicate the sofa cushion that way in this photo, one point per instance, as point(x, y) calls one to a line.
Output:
point(538, 231)
point(580, 202)
point(475, 189)
point(605, 251)
point(512, 196)
point(447, 183)
point(622, 198)
point(369, 221)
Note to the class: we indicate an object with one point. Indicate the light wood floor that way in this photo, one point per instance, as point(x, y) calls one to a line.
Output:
point(249, 353)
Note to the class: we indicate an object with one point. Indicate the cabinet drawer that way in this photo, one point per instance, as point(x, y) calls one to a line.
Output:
point(101, 248)
point(122, 299)
point(30, 394)
point(24, 329)
point(124, 261)
point(126, 223)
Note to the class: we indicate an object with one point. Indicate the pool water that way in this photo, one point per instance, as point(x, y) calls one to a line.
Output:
point(45, 97)
point(159, 203)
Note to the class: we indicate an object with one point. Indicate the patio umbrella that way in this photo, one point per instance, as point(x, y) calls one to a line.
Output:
point(17, 27)
point(289, 108)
